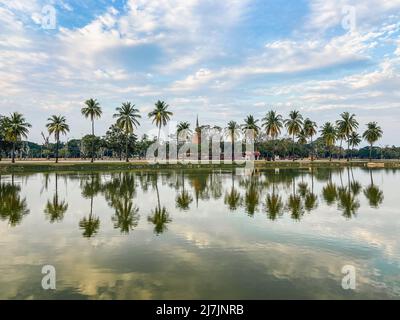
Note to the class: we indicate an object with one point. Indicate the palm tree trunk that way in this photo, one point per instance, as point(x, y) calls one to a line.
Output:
point(293, 148)
point(340, 151)
point(312, 149)
point(92, 160)
point(13, 153)
point(159, 131)
point(177, 142)
point(348, 150)
point(126, 148)
point(370, 152)
point(233, 149)
point(57, 150)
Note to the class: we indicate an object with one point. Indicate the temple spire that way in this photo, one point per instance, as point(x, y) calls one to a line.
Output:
point(197, 121)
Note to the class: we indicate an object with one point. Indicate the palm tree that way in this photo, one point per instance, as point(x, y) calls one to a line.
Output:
point(57, 125)
point(301, 138)
point(251, 124)
point(127, 119)
point(273, 124)
point(354, 140)
point(16, 128)
point(310, 129)
point(181, 127)
point(345, 127)
point(160, 115)
point(372, 134)
point(294, 125)
point(93, 111)
point(328, 133)
point(232, 131)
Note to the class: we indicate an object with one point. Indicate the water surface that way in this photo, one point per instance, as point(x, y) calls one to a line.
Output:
point(201, 234)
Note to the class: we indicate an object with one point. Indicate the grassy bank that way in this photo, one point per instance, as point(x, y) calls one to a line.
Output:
point(46, 166)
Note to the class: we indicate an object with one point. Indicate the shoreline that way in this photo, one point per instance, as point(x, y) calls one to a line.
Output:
point(22, 166)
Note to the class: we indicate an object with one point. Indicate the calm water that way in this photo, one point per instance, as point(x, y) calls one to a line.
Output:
point(208, 235)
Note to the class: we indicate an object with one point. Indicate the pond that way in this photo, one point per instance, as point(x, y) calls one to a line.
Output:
point(263, 234)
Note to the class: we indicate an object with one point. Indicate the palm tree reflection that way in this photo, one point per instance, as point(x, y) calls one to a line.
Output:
point(373, 193)
point(91, 224)
point(56, 209)
point(159, 216)
point(12, 207)
point(233, 198)
point(183, 199)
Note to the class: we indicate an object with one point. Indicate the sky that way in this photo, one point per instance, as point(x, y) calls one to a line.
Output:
point(220, 60)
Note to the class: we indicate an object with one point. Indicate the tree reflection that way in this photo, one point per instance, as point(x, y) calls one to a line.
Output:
point(273, 204)
point(348, 201)
point(373, 193)
point(12, 207)
point(183, 199)
point(159, 216)
point(294, 204)
point(119, 193)
point(91, 224)
point(56, 209)
point(232, 198)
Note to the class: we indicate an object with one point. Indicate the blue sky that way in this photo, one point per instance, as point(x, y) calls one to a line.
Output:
point(221, 60)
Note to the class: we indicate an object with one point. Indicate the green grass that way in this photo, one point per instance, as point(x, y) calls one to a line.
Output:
point(41, 166)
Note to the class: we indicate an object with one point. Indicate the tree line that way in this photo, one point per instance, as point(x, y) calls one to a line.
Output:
point(121, 140)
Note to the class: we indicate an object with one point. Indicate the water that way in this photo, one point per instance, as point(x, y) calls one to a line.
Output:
point(201, 234)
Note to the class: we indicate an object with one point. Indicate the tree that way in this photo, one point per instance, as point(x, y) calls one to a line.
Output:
point(310, 129)
point(16, 128)
point(345, 127)
point(88, 142)
point(127, 119)
point(182, 127)
point(57, 125)
point(294, 126)
point(354, 140)
point(160, 115)
point(372, 135)
point(93, 111)
point(232, 133)
point(273, 124)
point(328, 133)
point(251, 124)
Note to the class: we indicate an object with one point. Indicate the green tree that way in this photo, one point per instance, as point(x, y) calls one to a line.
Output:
point(57, 125)
point(16, 128)
point(354, 140)
point(160, 115)
point(294, 126)
point(273, 125)
point(310, 129)
point(372, 135)
point(127, 119)
point(182, 127)
point(251, 124)
point(92, 110)
point(328, 133)
point(345, 127)
point(232, 132)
